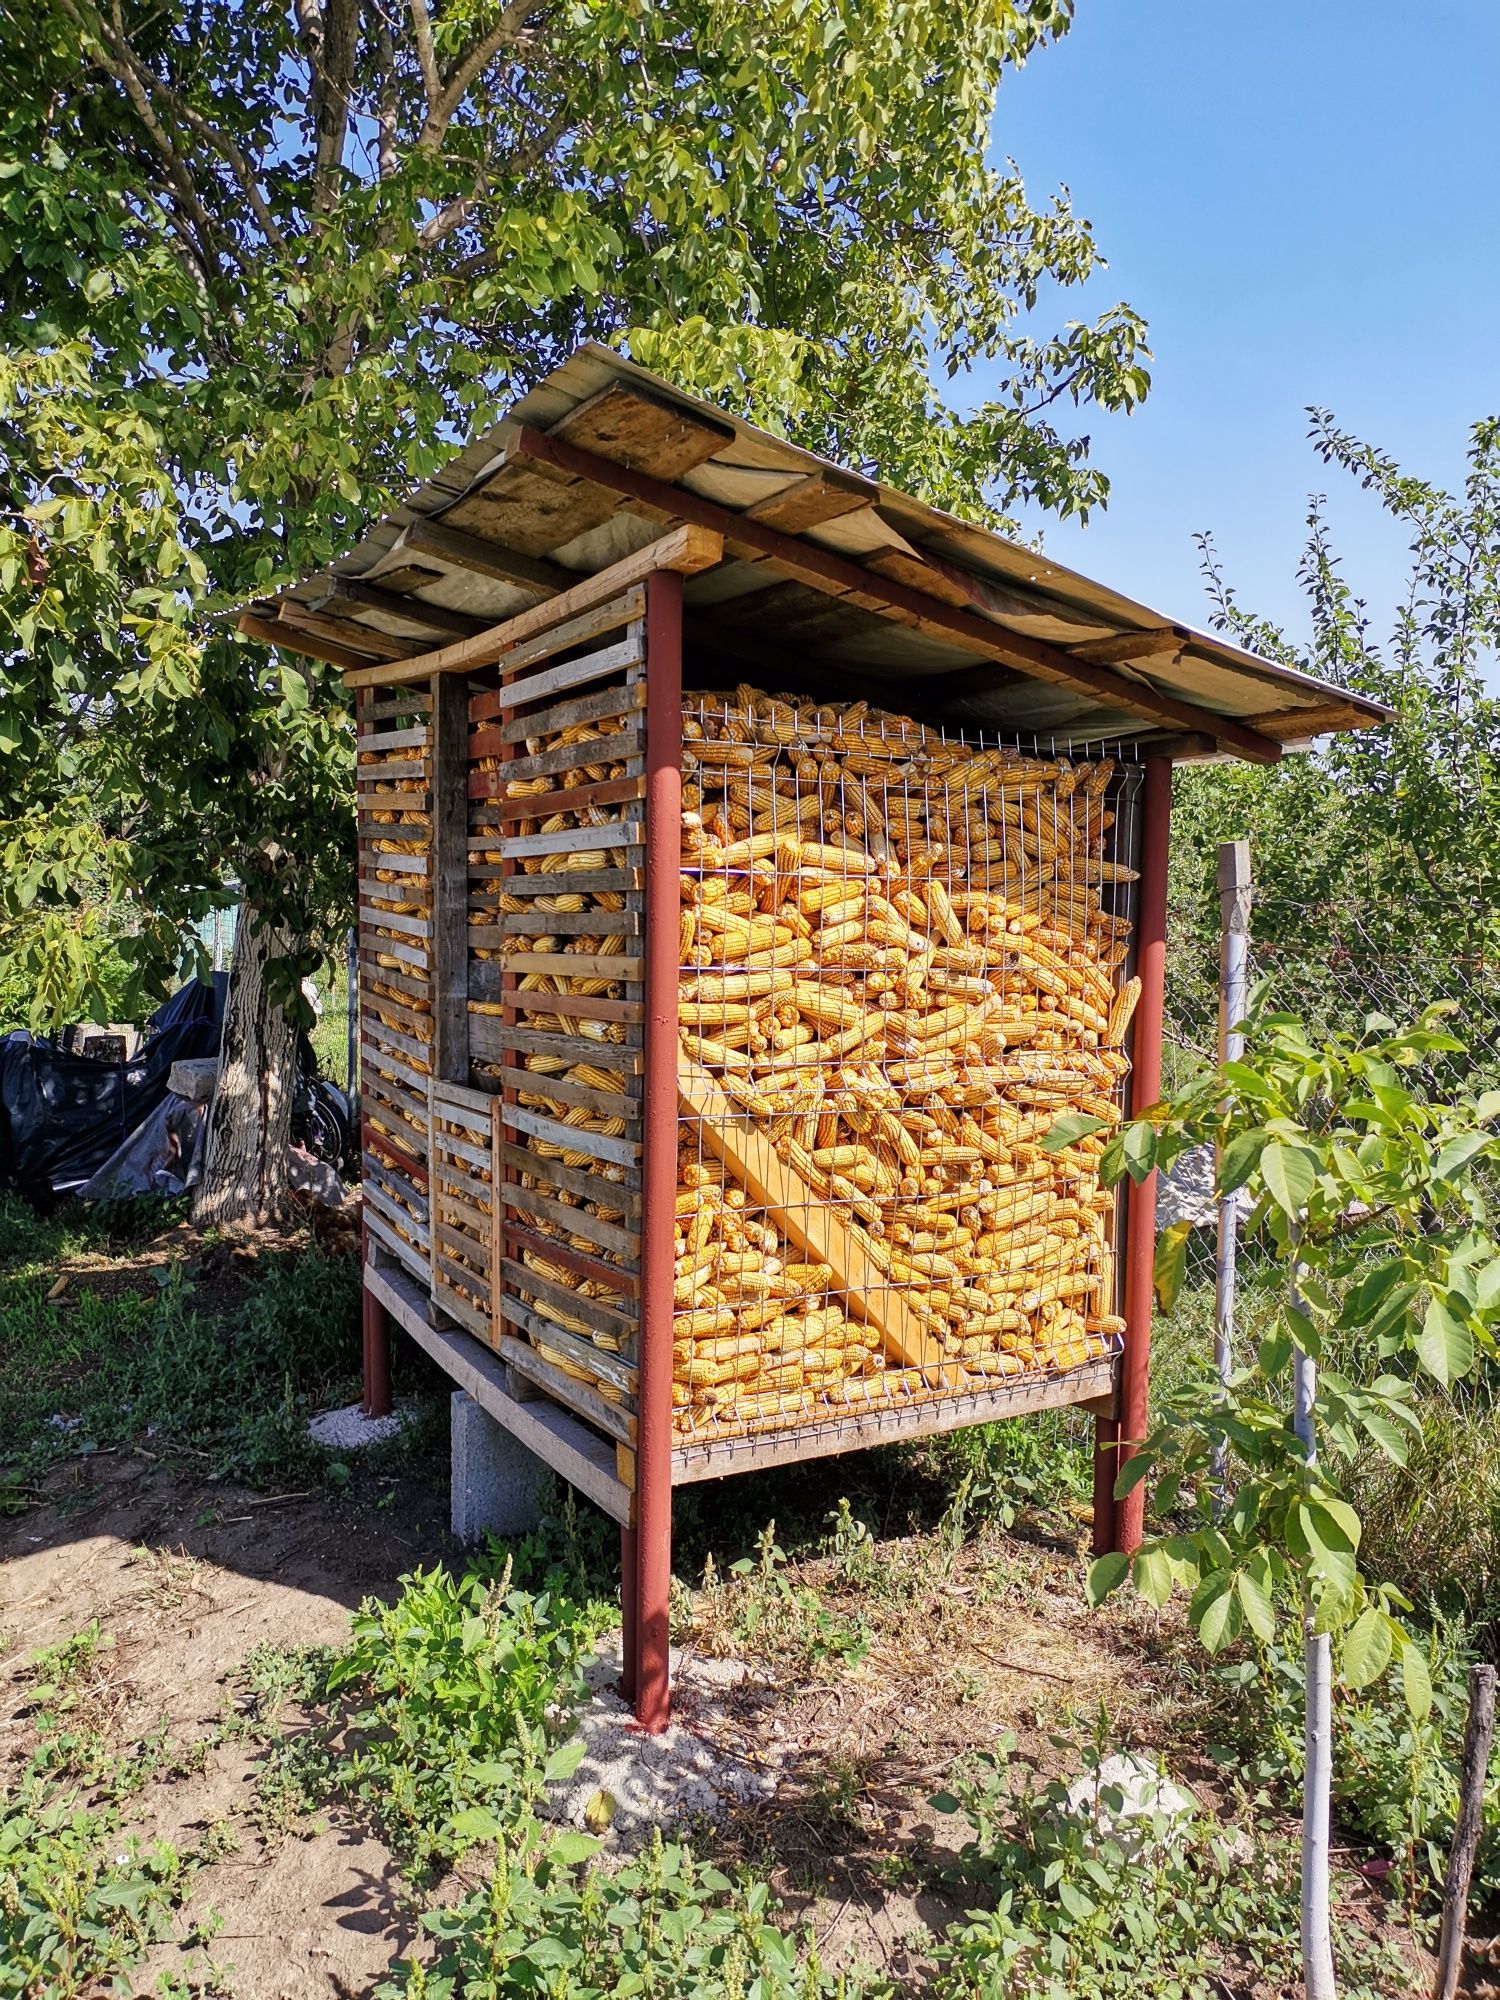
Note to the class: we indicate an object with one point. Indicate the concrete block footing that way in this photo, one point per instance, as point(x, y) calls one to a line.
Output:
point(497, 1485)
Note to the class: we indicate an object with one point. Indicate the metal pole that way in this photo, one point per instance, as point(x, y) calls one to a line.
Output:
point(659, 1148)
point(1145, 1089)
point(1234, 991)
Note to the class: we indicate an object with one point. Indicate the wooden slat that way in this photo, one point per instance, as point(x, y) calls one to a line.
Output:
point(608, 1103)
point(611, 1368)
point(812, 1222)
point(541, 805)
point(404, 954)
point(411, 1105)
point(555, 923)
point(391, 801)
point(572, 1139)
point(564, 964)
point(293, 638)
point(414, 1259)
point(837, 1429)
point(624, 1196)
point(567, 1390)
point(492, 1039)
point(395, 1014)
point(596, 666)
point(376, 1198)
point(561, 1440)
point(485, 558)
point(398, 864)
point(616, 749)
point(686, 550)
point(625, 833)
point(399, 982)
point(448, 1301)
point(393, 739)
point(579, 1007)
point(458, 1149)
point(474, 1253)
point(598, 707)
point(624, 423)
point(579, 882)
point(563, 1298)
point(395, 920)
point(383, 1037)
point(390, 767)
point(590, 1269)
point(624, 1243)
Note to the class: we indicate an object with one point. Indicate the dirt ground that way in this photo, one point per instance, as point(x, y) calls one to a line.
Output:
point(187, 1579)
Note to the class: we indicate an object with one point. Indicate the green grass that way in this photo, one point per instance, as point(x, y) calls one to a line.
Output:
point(231, 1386)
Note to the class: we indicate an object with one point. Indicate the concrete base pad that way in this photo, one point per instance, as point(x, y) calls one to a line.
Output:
point(498, 1488)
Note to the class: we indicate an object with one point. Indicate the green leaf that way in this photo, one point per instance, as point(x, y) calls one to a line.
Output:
point(1290, 1174)
point(1445, 1346)
point(1106, 1575)
point(1238, 1160)
point(1138, 1148)
point(1170, 1263)
point(475, 1823)
point(564, 1761)
point(1460, 1152)
point(1366, 1651)
point(571, 1848)
point(1215, 1612)
point(1416, 1681)
point(1069, 1129)
point(1259, 1611)
point(1152, 1574)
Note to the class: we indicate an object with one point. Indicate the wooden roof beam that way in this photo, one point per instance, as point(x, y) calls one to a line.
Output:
point(686, 549)
point(1122, 648)
point(839, 577)
point(397, 604)
point(461, 550)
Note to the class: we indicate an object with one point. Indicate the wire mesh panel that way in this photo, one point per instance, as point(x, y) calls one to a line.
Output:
point(900, 966)
point(555, 1011)
point(394, 783)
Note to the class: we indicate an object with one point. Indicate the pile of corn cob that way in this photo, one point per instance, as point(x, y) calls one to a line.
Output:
point(899, 970)
point(897, 966)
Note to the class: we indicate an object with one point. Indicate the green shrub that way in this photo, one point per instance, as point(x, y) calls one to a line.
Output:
point(664, 1925)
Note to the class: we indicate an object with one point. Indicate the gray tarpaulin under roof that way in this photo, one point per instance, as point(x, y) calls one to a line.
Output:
point(830, 582)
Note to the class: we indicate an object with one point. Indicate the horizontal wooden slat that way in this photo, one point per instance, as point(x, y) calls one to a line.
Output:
point(624, 1243)
point(414, 1258)
point(485, 973)
point(611, 1368)
point(395, 920)
point(393, 739)
point(383, 1037)
point(395, 864)
point(542, 805)
point(398, 1016)
point(565, 1389)
point(564, 1299)
point(617, 748)
point(459, 1149)
point(393, 1066)
point(379, 800)
point(409, 983)
point(447, 1300)
point(608, 1103)
point(560, 637)
point(492, 1039)
point(624, 1195)
point(571, 840)
point(600, 707)
point(565, 882)
point(393, 947)
point(557, 1437)
point(578, 1006)
point(589, 1268)
point(557, 923)
point(593, 1145)
point(390, 767)
point(377, 1199)
point(468, 1248)
point(449, 1202)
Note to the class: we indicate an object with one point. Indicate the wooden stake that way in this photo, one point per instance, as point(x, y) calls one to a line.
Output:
point(1478, 1734)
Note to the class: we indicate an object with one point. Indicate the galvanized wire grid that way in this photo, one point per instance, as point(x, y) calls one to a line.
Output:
point(900, 954)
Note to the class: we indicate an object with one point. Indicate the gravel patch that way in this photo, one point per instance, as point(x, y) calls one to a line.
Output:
point(351, 1429)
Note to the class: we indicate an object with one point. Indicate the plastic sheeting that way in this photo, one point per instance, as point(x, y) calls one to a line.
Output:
point(63, 1116)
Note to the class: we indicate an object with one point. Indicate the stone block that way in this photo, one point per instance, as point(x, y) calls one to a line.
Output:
point(497, 1486)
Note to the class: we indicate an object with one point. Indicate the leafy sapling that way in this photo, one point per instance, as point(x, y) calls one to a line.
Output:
point(1370, 1198)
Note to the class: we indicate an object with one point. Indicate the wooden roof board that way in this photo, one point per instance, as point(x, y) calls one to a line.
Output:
point(619, 411)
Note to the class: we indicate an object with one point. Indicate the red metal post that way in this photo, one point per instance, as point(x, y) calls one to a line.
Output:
point(629, 1633)
point(659, 1148)
point(376, 1400)
point(1145, 1090)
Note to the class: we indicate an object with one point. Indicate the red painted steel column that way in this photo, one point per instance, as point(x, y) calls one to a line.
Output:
point(1145, 1090)
point(630, 1562)
point(376, 1398)
point(659, 1141)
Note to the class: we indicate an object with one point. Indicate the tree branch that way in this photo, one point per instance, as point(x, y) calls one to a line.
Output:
point(453, 91)
point(432, 83)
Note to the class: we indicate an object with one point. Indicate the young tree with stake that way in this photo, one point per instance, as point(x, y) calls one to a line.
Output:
point(1366, 1192)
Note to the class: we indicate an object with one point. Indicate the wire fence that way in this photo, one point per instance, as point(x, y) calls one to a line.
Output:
point(1333, 966)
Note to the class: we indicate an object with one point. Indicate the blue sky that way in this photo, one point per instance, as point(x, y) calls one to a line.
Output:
point(1301, 198)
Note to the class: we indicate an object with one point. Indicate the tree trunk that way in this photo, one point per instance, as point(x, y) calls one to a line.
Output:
point(243, 1182)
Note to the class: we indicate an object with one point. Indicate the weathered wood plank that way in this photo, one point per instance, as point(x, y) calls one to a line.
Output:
point(566, 1389)
point(622, 1195)
point(596, 666)
point(813, 1223)
point(413, 1258)
point(623, 1243)
point(450, 832)
point(541, 805)
point(627, 833)
point(611, 1368)
point(571, 882)
point(572, 1139)
point(492, 1039)
point(485, 973)
point(557, 1437)
point(618, 748)
point(1091, 1387)
point(599, 707)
